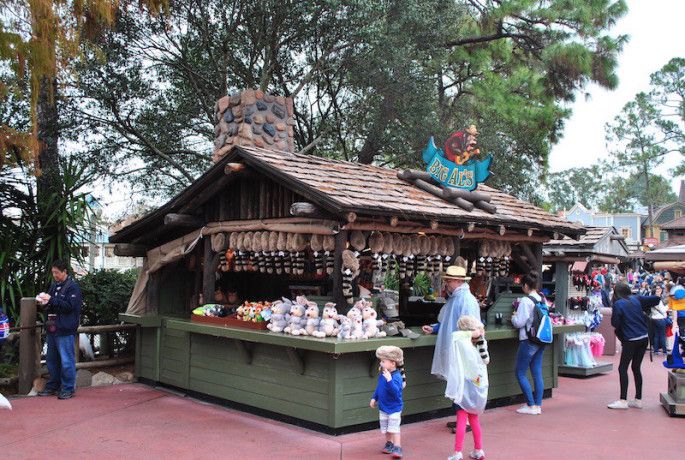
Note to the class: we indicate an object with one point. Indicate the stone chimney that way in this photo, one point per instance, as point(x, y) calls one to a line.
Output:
point(252, 118)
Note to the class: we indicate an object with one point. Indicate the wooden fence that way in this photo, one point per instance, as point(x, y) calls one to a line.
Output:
point(30, 345)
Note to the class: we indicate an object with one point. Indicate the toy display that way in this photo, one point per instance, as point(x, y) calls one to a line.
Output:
point(279, 310)
point(328, 326)
point(296, 320)
point(251, 315)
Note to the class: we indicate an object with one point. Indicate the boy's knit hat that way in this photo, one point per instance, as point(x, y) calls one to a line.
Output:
point(391, 353)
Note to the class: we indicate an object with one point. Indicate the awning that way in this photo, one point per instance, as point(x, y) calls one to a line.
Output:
point(606, 260)
point(579, 266)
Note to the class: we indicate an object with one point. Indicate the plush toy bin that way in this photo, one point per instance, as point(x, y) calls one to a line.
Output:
point(229, 321)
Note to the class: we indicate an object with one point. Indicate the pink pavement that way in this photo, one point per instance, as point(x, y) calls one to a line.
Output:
point(137, 421)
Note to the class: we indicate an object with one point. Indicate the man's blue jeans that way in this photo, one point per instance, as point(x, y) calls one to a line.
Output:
point(61, 363)
point(659, 335)
point(529, 356)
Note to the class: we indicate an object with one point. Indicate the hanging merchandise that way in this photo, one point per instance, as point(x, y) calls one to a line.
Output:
point(4, 326)
point(264, 246)
point(350, 270)
point(288, 255)
point(316, 245)
point(281, 246)
point(387, 261)
point(376, 247)
point(301, 241)
point(580, 349)
point(329, 248)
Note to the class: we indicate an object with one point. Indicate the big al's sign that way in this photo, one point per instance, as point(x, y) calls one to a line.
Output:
point(457, 166)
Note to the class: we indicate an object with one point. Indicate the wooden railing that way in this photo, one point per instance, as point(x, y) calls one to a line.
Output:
point(30, 345)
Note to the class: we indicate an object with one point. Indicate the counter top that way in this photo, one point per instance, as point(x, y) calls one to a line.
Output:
point(330, 345)
point(143, 321)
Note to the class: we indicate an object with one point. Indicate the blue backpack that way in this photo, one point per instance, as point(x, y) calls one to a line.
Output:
point(541, 330)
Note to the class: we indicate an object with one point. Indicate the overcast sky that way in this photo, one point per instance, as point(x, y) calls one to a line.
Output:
point(657, 34)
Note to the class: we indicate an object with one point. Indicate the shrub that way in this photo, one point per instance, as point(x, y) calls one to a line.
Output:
point(105, 295)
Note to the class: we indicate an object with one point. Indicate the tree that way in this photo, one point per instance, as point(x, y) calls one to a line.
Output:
point(639, 144)
point(371, 80)
point(625, 194)
point(576, 185)
point(668, 95)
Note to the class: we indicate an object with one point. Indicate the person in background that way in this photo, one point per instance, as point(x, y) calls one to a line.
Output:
point(658, 318)
point(631, 325)
point(233, 300)
point(630, 276)
point(529, 355)
point(676, 303)
point(644, 289)
point(63, 301)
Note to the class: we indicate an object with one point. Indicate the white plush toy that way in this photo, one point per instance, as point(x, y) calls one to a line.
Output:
point(372, 323)
point(345, 331)
point(296, 320)
point(279, 310)
point(357, 331)
point(313, 320)
point(328, 327)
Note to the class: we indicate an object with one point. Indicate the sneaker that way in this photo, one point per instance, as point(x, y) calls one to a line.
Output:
point(456, 456)
point(389, 446)
point(47, 392)
point(478, 454)
point(528, 410)
point(620, 404)
point(396, 452)
point(65, 395)
point(635, 403)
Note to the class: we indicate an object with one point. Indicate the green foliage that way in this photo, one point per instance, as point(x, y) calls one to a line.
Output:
point(106, 294)
point(392, 278)
point(371, 80)
point(422, 285)
point(624, 194)
point(577, 185)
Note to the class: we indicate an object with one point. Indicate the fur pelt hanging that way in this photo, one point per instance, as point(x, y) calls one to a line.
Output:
point(376, 247)
point(258, 254)
point(264, 245)
point(450, 249)
point(405, 251)
point(300, 244)
point(287, 257)
point(271, 254)
point(425, 245)
point(358, 240)
point(350, 270)
point(483, 251)
point(281, 247)
point(316, 244)
point(329, 249)
point(435, 255)
point(506, 260)
point(386, 257)
point(237, 246)
point(249, 255)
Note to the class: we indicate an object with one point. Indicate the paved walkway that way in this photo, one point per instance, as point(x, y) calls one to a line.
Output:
point(136, 421)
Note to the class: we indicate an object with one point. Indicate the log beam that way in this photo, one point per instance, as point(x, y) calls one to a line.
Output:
point(130, 250)
point(183, 220)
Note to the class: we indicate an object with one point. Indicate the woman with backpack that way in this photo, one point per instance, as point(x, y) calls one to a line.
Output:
point(529, 355)
point(631, 322)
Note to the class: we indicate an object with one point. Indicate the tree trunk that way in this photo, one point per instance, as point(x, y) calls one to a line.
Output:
point(49, 181)
point(650, 205)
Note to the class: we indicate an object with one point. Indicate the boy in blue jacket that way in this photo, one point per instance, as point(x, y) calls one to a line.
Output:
point(388, 397)
point(63, 301)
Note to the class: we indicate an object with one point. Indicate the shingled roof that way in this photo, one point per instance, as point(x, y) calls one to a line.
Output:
point(590, 243)
point(340, 187)
point(368, 189)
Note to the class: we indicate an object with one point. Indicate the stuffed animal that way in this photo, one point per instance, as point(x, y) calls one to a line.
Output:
point(296, 320)
point(371, 323)
point(386, 258)
point(471, 323)
point(279, 309)
point(358, 240)
point(350, 270)
point(312, 319)
point(300, 243)
point(345, 331)
point(247, 248)
point(357, 330)
point(376, 247)
point(328, 327)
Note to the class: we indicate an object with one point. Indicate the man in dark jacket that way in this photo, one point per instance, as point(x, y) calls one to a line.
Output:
point(63, 302)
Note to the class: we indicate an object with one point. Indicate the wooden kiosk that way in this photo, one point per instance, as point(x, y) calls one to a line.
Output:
point(322, 213)
point(600, 245)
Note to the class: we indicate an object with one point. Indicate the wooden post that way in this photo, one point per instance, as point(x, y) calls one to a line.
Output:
point(562, 283)
point(76, 349)
point(537, 252)
point(27, 345)
point(340, 244)
point(208, 277)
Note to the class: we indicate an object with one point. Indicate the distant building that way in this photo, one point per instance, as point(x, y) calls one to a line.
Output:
point(628, 225)
point(99, 255)
point(663, 217)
